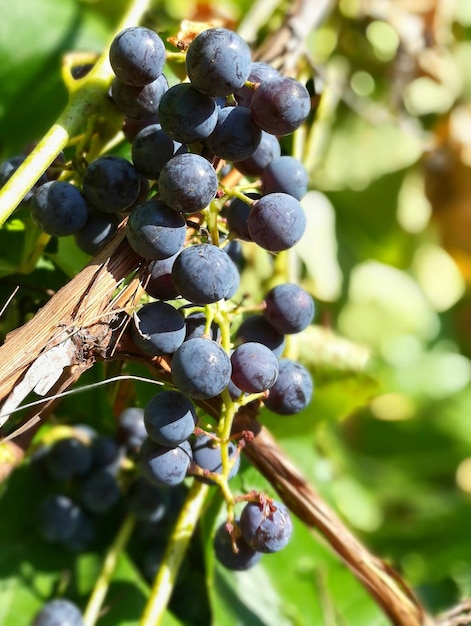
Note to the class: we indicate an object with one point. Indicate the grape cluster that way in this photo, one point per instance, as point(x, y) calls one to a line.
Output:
point(184, 221)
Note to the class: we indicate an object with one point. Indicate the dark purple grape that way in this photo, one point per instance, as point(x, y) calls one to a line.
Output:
point(280, 106)
point(203, 273)
point(82, 537)
point(158, 328)
point(292, 391)
point(163, 466)
point(218, 62)
point(188, 183)
point(169, 418)
point(155, 231)
point(131, 429)
point(266, 526)
point(59, 208)
point(276, 222)
point(285, 174)
point(256, 328)
point(195, 326)
point(152, 148)
point(146, 501)
point(9, 167)
point(254, 367)
point(234, 250)
point(58, 518)
point(58, 613)
point(68, 458)
point(100, 491)
point(137, 55)
point(267, 150)
point(106, 453)
point(288, 308)
point(207, 455)
point(245, 557)
point(98, 230)
point(187, 115)
point(237, 214)
point(260, 72)
point(235, 136)
point(201, 368)
point(132, 127)
point(158, 281)
point(111, 184)
point(139, 103)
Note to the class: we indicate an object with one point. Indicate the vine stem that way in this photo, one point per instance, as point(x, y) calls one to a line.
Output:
point(109, 565)
point(176, 549)
point(85, 98)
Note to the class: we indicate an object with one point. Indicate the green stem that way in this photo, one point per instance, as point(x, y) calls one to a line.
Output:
point(109, 565)
point(89, 94)
point(176, 548)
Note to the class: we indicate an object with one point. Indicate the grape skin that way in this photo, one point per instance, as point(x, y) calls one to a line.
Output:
point(280, 106)
point(187, 115)
point(98, 230)
point(207, 455)
point(59, 208)
point(139, 103)
point(188, 183)
point(201, 368)
point(285, 174)
point(203, 273)
point(164, 466)
point(235, 136)
point(218, 62)
point(158, 282)
point(147, 502)
point(151, 149)
point(158, 328)
point(68, 458)
point(267, 528)
point(195, 325)
point(237, 214)
point(267, 150)
point(254, 367)
point(131, 429)
point(245, 558)
point(111, 183)
point(276, 222)
point(260, 72)
point(256, 328)
point(288, 308)
point(58, 518)
point(100, 491)
point(137, 55)
point(58, 613)
point(169, 418)
point(292, 391)
point(154, 231)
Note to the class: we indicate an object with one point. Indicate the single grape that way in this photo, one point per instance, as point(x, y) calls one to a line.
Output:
point(68, 458)
point(203, 273)
point(254, 367)
point(288, 308)
point(187, 115)
point(285, 174)
point(188, 183)
point(245, 557)
point(152, 148)
point(139, 103)
point(158, 281)
point(276, 222)
point(292, 391)
point(163, 466)
point(169, 418)
point(146, 501)
point(158, 328)
point(58, 613)
point(137, 55)
point(155, 231)
point(234, 250)
point(237, 214)
point(260, 72)
point(196, 324)
point(98, 230)
point(131, 429)
point(235, 136)
point(201, 368)
point(218, 62)
point(59, 208)
point(82, 537)
point(106, 453)
point(111, 183)
point(233, 279)
point(58, 518)
point(280, 106)
point(207, 455)
point(100, 491)
point(266, 526)
point(267, 150)
point(256, 328)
